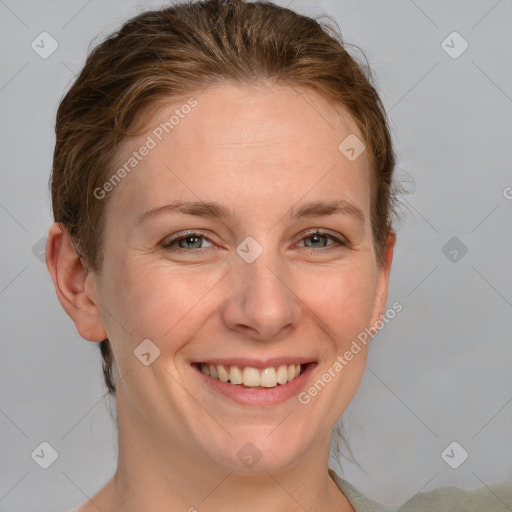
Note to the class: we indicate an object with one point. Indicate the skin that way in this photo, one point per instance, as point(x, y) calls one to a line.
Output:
point(259, 152)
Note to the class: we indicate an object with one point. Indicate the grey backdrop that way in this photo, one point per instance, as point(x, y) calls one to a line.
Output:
point(439, 373)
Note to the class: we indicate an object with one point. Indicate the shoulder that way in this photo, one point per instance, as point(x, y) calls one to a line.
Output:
point(359, 502)
point(491, 498)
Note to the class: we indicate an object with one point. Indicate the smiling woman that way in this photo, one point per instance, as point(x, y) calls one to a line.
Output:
point(237, 265)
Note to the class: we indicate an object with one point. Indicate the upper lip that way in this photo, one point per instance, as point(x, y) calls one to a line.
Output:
point(259, 364)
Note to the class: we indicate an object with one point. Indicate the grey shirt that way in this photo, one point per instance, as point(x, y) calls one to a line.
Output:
point(490, 498)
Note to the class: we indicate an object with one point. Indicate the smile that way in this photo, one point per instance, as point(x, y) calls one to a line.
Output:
point(252, 377)
point(256, 383)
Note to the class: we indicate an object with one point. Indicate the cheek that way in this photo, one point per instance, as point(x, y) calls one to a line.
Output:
point(169, 307)
point(342, 298)
point(162, 304)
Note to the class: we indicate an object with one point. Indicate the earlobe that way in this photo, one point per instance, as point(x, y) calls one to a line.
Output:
point(390, 246)
point(69, 277)
point(381, 295)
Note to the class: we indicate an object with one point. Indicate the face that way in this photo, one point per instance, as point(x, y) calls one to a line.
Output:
point(267, 275)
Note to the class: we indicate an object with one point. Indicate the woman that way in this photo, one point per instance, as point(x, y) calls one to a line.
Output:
point(222, 196)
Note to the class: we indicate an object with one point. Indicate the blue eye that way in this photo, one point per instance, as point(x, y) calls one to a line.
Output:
point(194, 239)
point(318, 236)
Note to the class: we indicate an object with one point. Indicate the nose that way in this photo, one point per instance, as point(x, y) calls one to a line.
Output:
point(261, 302)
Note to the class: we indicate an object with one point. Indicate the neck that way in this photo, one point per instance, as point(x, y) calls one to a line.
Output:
point(155, 474)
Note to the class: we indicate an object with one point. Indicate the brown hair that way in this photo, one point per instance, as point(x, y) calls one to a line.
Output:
point(180, 49)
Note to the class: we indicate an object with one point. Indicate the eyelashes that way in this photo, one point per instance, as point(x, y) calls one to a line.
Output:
point(172, 245)
point(337, 241)
point(169, 245)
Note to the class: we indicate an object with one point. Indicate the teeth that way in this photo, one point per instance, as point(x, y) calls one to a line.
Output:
point(213, 372)
point(252, 377)
point(268, 378)
point(235, 375)
point(282, 375)
point(223, 374)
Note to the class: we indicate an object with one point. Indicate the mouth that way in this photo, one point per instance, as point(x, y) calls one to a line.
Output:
point(255, 383)
point(254, 378)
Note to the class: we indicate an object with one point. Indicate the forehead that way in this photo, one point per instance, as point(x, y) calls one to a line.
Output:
point(231, 140)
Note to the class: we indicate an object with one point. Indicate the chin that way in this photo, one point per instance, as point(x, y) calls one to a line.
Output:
point(258, 449)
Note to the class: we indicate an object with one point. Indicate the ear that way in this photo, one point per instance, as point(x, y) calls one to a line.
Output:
point(74, 284)
point(381, 294)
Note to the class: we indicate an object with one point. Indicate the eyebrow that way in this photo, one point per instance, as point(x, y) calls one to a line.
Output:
point(217, 210)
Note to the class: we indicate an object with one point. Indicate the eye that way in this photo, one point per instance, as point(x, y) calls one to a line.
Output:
point(190, 240)
point(318, 237)
point(194, 241)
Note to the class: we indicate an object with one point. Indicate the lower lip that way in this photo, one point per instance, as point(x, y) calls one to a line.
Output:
point(258, 396)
